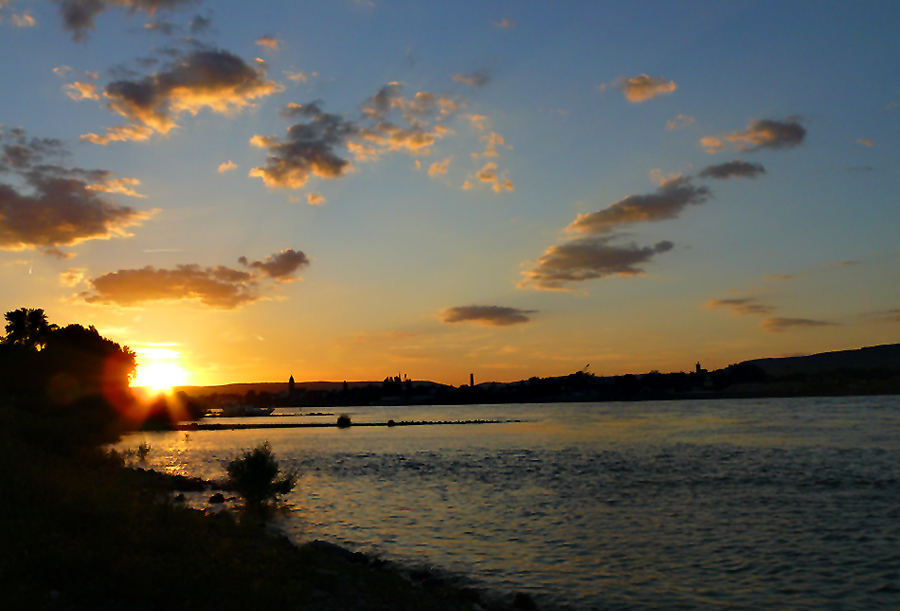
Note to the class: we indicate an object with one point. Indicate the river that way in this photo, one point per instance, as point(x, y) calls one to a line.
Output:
point(739, 504)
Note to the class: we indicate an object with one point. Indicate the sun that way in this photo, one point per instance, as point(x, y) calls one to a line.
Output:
point(160, 376)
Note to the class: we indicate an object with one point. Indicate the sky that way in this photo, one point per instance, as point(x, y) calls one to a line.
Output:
point(355, 189)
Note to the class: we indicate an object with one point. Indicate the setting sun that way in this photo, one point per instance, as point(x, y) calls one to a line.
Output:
point(160, 376)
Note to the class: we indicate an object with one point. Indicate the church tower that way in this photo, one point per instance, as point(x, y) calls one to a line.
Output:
point(291, 387)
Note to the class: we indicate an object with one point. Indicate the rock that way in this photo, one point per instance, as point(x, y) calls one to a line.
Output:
point(524, 602)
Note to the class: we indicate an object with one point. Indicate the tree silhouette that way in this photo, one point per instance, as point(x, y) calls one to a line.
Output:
point(28, 327)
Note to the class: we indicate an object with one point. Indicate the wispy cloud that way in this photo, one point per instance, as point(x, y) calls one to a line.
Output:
point(269, 42)
point(679, 122)
point(732, 169)
point(866, 142)
point(666, 203)
point(743, 306)
point(489, 315)
point(505, 24)
point(780, 325)
point(82, 91)
point(315, 199)
point(79, 15)
point(439, 167)
point(588, 259)
point(117, 185)
point(764, 133)
point(479, 78)
point(23, 20)
point(641, 88)
point(227, 166)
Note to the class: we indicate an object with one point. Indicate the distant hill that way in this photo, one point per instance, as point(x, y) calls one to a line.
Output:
point(872, 357)
point(277, 387)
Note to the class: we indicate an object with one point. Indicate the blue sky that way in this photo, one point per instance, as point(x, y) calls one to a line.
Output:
point(350, 190)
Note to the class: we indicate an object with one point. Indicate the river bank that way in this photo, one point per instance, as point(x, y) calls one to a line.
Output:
point(83, 531)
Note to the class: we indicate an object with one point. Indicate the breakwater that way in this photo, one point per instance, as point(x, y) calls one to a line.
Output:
point(240, 426)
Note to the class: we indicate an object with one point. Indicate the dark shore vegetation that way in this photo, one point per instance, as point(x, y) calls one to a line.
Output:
point(80, 530)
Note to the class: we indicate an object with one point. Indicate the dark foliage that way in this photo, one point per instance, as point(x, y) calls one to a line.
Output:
point(256, 476)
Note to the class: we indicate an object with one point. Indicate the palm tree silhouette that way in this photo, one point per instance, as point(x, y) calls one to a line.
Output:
point(28, 327)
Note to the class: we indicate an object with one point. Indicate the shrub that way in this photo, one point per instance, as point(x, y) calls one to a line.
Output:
point(343, 421)
point(143, 450)
point(255, 476)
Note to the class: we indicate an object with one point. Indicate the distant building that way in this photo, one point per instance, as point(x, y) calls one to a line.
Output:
point(291, 387)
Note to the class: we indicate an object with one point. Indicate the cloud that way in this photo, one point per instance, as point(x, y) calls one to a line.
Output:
point(315, 199)
point(780, 325)
point(62, 70)
point(746, 306)
point(488, 174)
point(666, 203)
point(736, 168)
point(492, 316)
point(642, 87)
point(78, 15)
point(439, 167)
point(479, 78)
point(310, 148)
point(120, 134)
point(315, 145)
point(117, 185)
point(478, 121)
point(227, 166)
point(587, 259)
point(866, 142)
point(217, 287)
point(82, 91)
point(764, 133)
point(505, 23)
point(199, 24)
point(779, 277)
point(269, 42)
point(297, 77)
point(886, 315)
point(213, 79)
point(71, 277)
point(23, 20)
point(280, 266)
point(59, 206)
point(679, 122)
point(493, 141)
point(166, 28)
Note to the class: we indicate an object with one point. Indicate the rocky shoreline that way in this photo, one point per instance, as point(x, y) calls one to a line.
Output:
point(337, 579)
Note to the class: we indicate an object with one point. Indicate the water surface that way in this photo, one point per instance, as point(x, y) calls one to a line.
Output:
point(749, 504)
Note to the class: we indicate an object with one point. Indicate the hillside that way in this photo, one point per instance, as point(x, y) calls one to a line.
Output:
point(872, 357)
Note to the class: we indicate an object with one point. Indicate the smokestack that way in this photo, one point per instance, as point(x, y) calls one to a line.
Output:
point(472, 380)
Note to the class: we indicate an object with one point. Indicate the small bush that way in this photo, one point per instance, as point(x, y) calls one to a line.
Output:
point(143, 450)
point(343, 421)
point(255, 476)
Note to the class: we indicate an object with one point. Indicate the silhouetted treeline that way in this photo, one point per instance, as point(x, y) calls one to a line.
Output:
point(737, 380)
point(77, 381)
